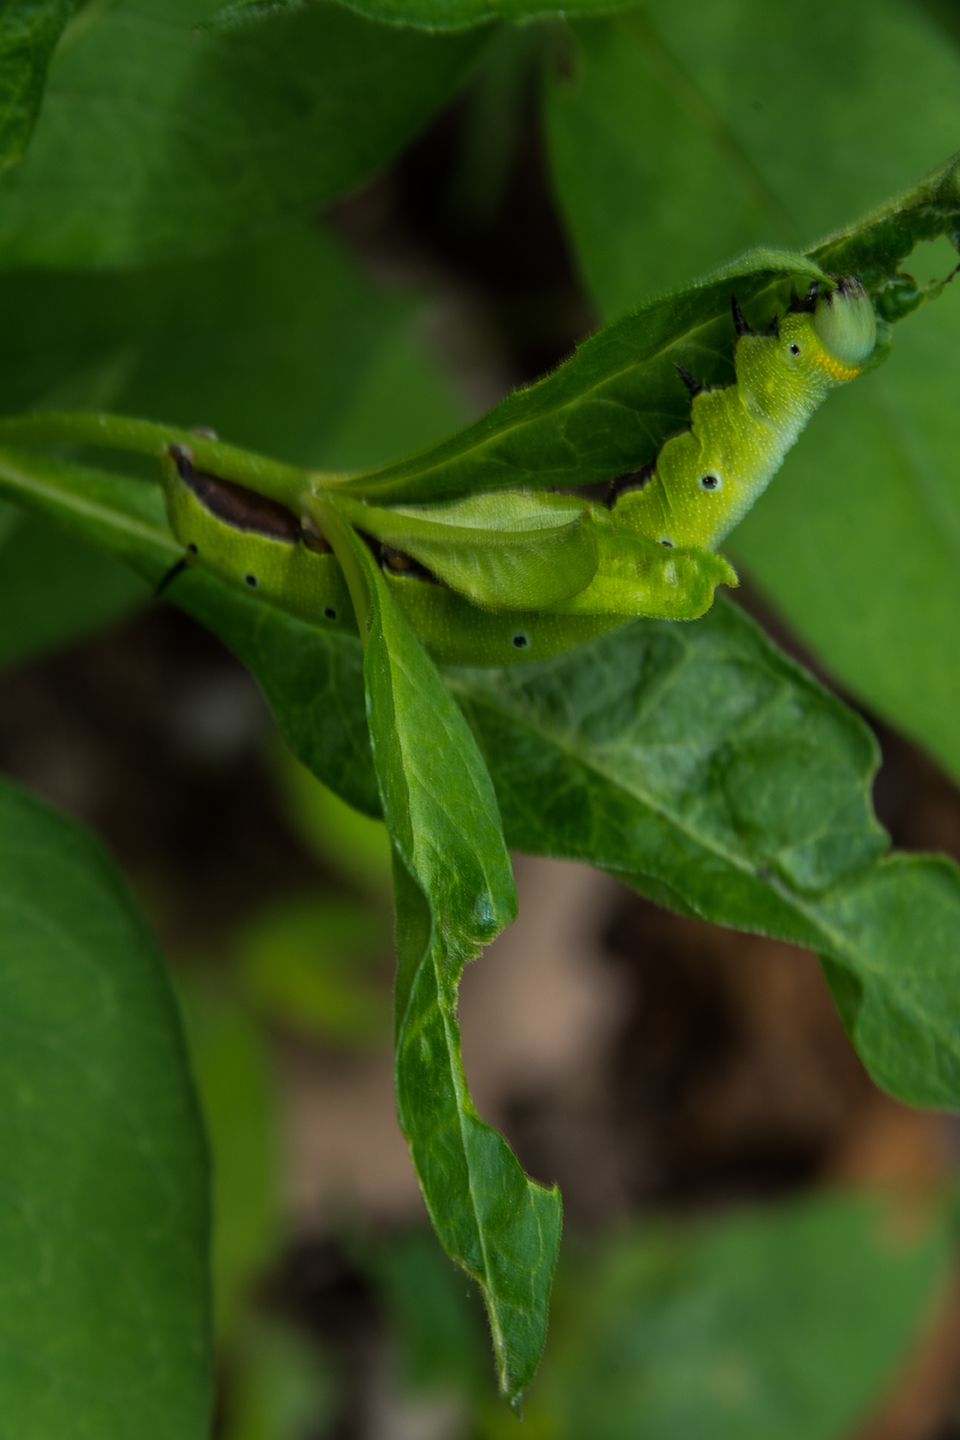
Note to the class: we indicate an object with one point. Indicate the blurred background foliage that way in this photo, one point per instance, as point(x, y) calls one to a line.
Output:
point(336, 239)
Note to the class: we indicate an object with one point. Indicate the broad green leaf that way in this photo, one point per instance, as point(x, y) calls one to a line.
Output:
point(305, 674)
point(29, 31)
point(680, 133)
point(104, 1304)
point(289, 351)
point(694, 761)
point(453, 879)
point(454, 892)
point(673, 141)
point(784, 1325)
point(706, 769)
point(432, 15)
point(609, 407)
point(871, 506)
point(155, 140)
point(54, 587)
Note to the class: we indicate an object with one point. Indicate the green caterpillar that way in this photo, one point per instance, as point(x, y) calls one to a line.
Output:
point(514, 576)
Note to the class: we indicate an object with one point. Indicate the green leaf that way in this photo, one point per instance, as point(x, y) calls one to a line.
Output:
point(29, 31)
point(453, 879)
point(436, 1328)
point(53, 587)
point(343, 839)
point(672, 142)
point(154, 140)
point(432, 15)
point(104, 1220)
point(312, 679)
point(289, 351)
point(871, 504)
point(681, 133)
point(609, 407)
point(514, 552)
point(706, 769)
point(283, 1387)
point(785, 1325)
point(307, 963)
point(694, 761)
point(454, 892)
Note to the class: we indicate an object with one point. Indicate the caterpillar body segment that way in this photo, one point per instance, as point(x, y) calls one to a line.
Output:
point(705, 480)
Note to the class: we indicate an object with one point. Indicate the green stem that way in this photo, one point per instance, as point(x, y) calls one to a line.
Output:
point(287, 483)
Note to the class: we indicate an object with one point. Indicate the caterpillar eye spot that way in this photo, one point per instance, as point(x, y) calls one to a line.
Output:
point(520, 640)
point(252, 581)
point(666, 542)
point(710, 482)
point(330, 613)
point(193, 549)
point(794, 349)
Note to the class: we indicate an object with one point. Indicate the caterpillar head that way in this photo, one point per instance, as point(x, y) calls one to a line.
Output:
point(845, 322)
point(832, 331)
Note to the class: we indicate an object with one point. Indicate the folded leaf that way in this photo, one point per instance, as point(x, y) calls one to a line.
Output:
point(502, 552)
point(454, 893)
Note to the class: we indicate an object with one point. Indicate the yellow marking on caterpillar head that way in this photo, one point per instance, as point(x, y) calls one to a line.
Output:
point(837, 372)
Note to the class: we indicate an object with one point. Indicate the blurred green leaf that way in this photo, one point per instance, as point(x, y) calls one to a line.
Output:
point(154, 139)
point(438, 1331)
point(29, 31)
point(54, 587)
point(435, 16)
point(858, 541)
point(680, 131)
point(308, 963)
point(10, 518)
point(289, 350)
point(783, 1325)
point(282, 1390)
point(231, 1067)
point(354, 844)
point(104, 1304)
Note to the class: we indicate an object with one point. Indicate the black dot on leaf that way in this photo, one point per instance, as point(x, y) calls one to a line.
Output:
point(251, 580)
point(520, 640)
point(330, 613)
